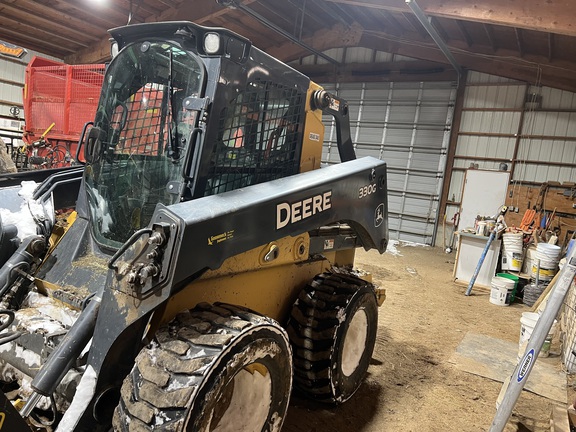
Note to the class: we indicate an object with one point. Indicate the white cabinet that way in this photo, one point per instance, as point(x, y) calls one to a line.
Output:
point(470, 248)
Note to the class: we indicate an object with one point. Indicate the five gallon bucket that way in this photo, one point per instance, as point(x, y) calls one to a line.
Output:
point(512, 251)
point(514, 278)
point(527, 323)
point(529, 260)
point(545, 275)
point(548, 254)
point(502, 290)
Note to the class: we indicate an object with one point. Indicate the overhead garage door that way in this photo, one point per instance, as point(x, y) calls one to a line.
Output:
point(407, 125)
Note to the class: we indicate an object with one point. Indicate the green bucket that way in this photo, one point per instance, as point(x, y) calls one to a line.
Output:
point(512, 277)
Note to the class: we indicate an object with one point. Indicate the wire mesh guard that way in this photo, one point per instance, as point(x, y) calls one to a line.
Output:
point(569, 330)
point(258, 137)
point(65, 95)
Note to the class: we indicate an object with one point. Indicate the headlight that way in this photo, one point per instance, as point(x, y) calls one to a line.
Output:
point(114, 49)
point(211, 43)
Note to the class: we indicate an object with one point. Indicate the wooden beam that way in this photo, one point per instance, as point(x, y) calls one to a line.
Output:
point(113, 15)
point(550, 46)
point(555, 16)
point(436, 24)
point(96, 53)
point(415, 24)
point(464, 32)
point(453, 143)
point(198, 11)
point(379, 72)
point(557, 75)
point(336, 37)
point(518, 33)
point(41, 27)
point(22, 39)
point(30, 8)
point(392, 25)
point(518, 139)
point(490, 35)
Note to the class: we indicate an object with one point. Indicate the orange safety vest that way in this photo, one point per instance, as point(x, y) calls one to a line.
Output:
point(238, 138)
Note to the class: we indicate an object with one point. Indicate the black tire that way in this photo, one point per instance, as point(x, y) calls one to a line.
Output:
point(205, 364)
point(332, 329)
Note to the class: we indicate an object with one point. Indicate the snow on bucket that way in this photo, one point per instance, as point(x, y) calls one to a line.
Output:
point(501, 292)
point(512, 252)
point(548, 254)
point(527, 323)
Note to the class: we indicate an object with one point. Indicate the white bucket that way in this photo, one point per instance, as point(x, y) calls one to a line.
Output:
point(511, 260)
point(512, 242)
point(527, 323)
point(529, 259)
point(548, 254)
point(544, 274)
point(481, 228)
point(501, 292)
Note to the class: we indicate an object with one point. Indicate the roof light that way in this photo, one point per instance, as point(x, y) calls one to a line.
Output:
point(113, 49)
point(211, 43)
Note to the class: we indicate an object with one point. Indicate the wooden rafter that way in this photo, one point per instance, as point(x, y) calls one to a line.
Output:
point(551, 75)
point(415, 24)
point(550, 46)
point(12, 14)
point(553, 16)
point(464, 33)
point(518, 33)
point(436, 24)
point(378, 72)
point(490, 35)
point(392, 22)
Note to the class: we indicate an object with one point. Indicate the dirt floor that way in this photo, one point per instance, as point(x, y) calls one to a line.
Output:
point(411, 385)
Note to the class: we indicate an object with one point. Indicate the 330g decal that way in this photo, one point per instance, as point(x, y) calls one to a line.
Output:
point(366, 190)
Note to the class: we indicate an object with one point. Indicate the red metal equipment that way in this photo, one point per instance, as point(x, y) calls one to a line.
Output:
point(63, 95)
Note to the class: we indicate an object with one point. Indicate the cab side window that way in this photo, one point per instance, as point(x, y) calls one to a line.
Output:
point(258, 138)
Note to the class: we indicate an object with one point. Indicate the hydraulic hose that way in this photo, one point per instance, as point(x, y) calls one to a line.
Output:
point(30, 248)
point(61, 359)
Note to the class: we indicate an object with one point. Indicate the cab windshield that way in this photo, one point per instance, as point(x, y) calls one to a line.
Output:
point(143, 134)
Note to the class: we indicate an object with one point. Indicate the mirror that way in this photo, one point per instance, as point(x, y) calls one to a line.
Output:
point(92, 145)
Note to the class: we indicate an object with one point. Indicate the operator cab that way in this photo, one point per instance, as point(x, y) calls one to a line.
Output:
point(188, 113)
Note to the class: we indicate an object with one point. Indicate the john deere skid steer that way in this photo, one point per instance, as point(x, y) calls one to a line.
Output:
point(199, 266)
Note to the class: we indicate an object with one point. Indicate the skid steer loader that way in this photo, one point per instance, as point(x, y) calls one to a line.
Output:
point(199, 266)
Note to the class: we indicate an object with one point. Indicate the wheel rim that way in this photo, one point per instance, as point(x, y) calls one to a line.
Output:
point(354, 342)
point(245, 402)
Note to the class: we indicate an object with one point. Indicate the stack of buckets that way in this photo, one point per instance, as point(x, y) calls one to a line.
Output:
point(512, 251)
point(527, 324)
point(549, 256)
point(504, 284)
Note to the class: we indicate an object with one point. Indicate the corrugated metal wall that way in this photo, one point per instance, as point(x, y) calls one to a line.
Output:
point(407, 124)
point(531, 129)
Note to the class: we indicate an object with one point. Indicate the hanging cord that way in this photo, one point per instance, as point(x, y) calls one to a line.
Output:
point(132, 14)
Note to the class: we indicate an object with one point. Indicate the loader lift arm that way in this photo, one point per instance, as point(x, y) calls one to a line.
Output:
point(333, 190)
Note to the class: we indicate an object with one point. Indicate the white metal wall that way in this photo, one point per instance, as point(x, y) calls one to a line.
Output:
point(407, 125)
point(496, 120)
